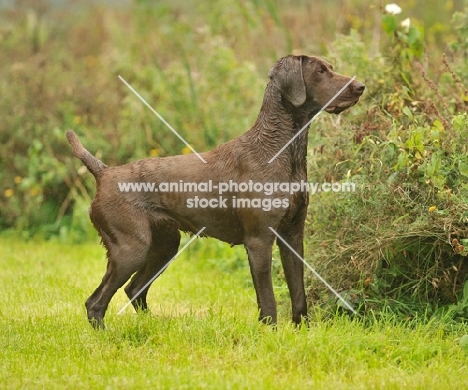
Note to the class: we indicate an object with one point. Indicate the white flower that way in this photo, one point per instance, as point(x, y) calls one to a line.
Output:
point(406, 24)
point(392, 9)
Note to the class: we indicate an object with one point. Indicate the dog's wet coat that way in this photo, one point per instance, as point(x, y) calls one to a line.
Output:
point(141, 230)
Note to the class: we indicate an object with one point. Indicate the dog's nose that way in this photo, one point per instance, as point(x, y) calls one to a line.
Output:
point(359, 87)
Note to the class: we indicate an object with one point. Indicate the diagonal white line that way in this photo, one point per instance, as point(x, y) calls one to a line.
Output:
point(161, 270)
point(162, 119)
point(315, 272)
point(315, 116)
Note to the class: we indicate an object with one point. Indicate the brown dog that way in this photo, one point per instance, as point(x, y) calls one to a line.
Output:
point(140, 229)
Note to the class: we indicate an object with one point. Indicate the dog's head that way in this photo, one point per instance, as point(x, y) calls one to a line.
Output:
point(302, 79)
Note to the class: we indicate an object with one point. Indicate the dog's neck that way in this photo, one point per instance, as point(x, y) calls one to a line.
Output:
point(277, 123)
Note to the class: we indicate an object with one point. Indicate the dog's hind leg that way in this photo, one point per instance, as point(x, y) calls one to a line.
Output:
point(126, 253)
point(163, 248)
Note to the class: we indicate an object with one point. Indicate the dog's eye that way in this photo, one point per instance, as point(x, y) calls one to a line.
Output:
point(321, 70)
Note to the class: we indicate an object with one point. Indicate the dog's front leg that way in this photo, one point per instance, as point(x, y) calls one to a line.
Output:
point(293, 235)
point(259, 251)
point(294, 272)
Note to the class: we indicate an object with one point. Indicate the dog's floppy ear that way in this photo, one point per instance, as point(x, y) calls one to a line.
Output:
point(287, 76)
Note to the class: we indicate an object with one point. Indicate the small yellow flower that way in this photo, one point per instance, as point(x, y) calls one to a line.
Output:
point(18, 179)
point(33, 192)
point(432, 208)
point(186, 150)
point(154, 152)
point(9, 192)
point(77, 120)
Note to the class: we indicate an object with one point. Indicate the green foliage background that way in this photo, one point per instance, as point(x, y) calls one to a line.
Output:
point(400, 239)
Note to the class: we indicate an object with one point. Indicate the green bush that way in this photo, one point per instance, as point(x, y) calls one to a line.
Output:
point(68, 78)
point(401, 239)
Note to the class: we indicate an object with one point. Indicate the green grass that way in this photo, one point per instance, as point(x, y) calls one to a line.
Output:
point(203, 333)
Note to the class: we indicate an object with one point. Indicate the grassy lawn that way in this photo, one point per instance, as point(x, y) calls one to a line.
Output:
point(203, 333)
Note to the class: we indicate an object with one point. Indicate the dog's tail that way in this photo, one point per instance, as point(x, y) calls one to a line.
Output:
point(94, 165)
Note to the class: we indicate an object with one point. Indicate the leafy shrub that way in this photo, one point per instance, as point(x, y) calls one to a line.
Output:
point(401, 239)
point(68, 78)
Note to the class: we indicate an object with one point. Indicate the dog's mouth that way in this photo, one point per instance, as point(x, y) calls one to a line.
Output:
point(337, 108)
